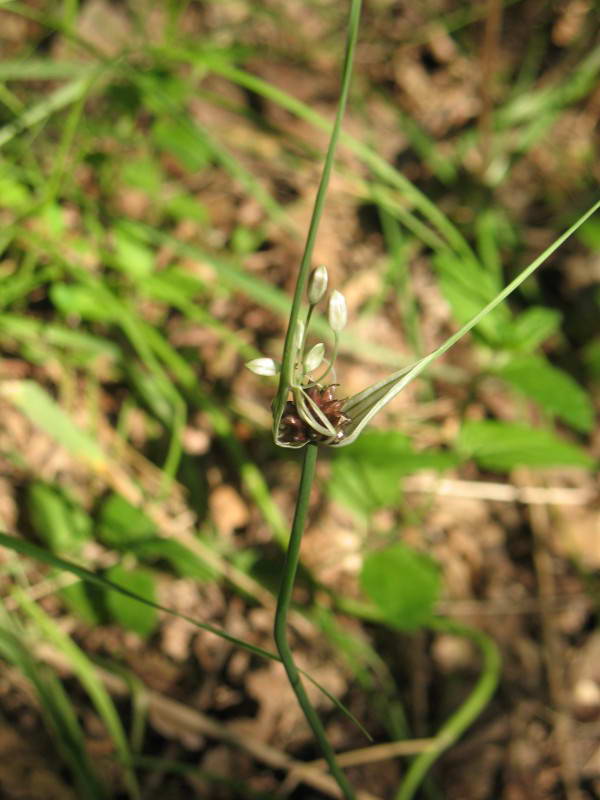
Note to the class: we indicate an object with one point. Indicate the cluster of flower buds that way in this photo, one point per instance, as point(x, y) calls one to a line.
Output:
point(314, 414)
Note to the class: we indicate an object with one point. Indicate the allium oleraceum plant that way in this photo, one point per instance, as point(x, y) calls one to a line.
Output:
point(307, 414)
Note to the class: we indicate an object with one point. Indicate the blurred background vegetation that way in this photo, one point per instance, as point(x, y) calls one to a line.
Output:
point(158, 165)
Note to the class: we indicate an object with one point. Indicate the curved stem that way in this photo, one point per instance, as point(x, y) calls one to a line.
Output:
point(455, 726)
point(283, 605)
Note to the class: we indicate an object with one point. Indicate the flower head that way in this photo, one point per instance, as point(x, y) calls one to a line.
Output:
point(314, 413)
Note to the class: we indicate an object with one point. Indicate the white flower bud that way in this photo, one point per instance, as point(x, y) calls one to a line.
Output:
point(299, 335)
point(338, 313)
point(263, 366)
point(317, 285)
point(314, 357)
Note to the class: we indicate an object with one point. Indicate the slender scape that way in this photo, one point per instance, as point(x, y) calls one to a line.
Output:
point(283, 604)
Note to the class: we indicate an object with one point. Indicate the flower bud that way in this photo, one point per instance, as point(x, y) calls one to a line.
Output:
point(338, 313)
point(317, 285)
point(263, 366)
point(314, 357)
point(299, 335)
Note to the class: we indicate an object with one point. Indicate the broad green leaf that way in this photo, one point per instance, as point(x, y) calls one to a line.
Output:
point(363, 487)
point(181, 559)
point(502, 446)
point(127, 528)
point(468, 287)
point(554, 390)
point(529, 329)
point(121, 524)
point(362, 407)
point(126, 611)
point(395, 451)
point(365, 476)
point(59, 522)
point(47, 415)
point(86, 601)
point(404, 584)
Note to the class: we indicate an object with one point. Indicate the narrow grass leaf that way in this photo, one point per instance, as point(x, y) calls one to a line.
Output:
point(96, 690)
point(58, 713)
point(47, 415)
point(38, 554)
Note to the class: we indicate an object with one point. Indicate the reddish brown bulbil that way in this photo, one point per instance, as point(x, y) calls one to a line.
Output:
point(295, 430)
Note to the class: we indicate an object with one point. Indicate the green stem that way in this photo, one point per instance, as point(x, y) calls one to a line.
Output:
point(477, 700)
point(288, 349)
point(283, 605)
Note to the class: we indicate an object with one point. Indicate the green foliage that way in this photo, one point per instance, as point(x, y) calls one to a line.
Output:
point(365, 476)
point(59, 522)
point(468, 287)
point(44, 412)
point(97, 287)
point(86, 674)
point(552, 388)
point(128, 612)
point(404, 585)
point(120, 524)
point(530, 328)
point(501, 446)
point(124, 527)
point(57, 711)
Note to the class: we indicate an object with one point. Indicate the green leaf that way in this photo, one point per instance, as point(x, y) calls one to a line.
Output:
point(13, 195)
point(58, 713)
point(47, 415)
point(59, 523)
point(501, 446)
point(182, 560)
point(365, 475)
point(132, 255)
point(180, 138)
point(120, 524)
point(554, 390)
point(184, 206)
point(86, 302)
point(86, 601)
point(46, 557)
point(468, 287)
point(404, 584)
point(589, 234)
point(529, 329)
point(85, 672)
point(395, 451)
point(143, 173)
point(362, 487)
point(126, 611)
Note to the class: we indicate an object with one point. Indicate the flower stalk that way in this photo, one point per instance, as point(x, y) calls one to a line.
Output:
point(283, 605)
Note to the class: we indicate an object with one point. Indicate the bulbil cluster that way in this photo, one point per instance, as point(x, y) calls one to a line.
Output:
point(294, 430)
